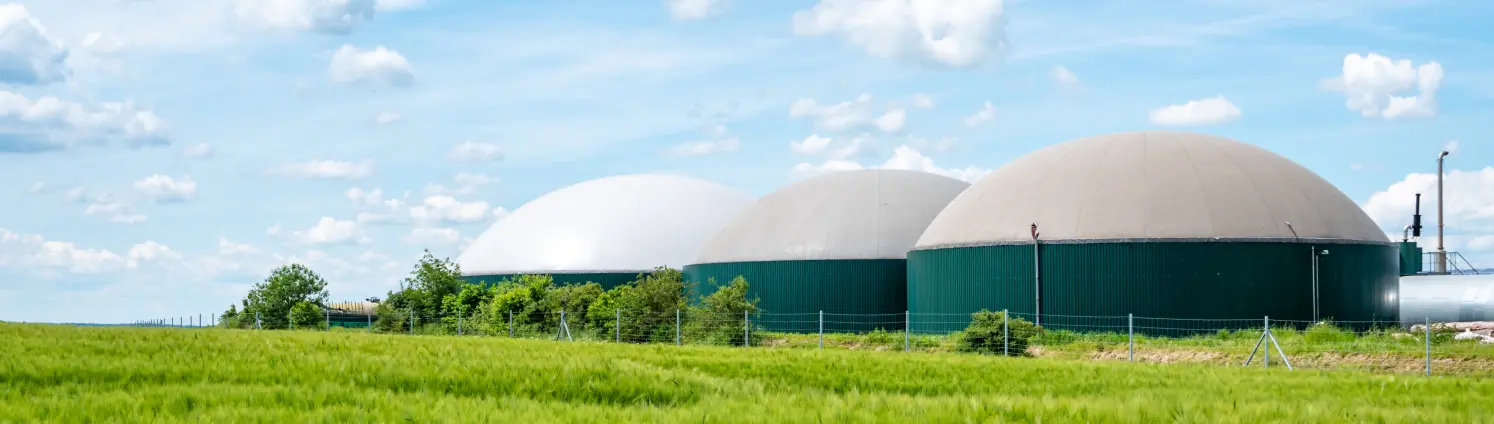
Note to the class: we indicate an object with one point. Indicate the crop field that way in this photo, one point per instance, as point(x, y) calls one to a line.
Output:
point(77, 374)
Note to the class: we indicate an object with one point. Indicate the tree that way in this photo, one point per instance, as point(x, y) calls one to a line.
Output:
point(433, 279)
point(307, 315)
point(286, 286)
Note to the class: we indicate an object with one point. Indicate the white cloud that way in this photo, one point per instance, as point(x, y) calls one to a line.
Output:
point(325, 16)
point(34, 250)
point(386, 118)
point(1064, 77)
point(705, 147)
point(857, 113)
point(1469, 211)
point(199, 150)
point(431, 237)
point(923, 101)
point(398, 5)
point(164, 189)
point(986, 113)
point(940, 145)
point(1372, 83)
point(903, 157)
point(685, 10)
point(365, 198)
point(466, 185)
point(329, 231)
point(814, 144)
point(28, 55)
point(150, 251)
point(82, 195)
point(908, 158)
point(39, 187)
point(117, 212)
point(499, 213)
point(228, 247)
point(1210, 111)
point(327, 169)
point(380, 66)
point(953, 33)
point(49, 124)
point(442, 208)
point(1451, 146)
point(472, 152)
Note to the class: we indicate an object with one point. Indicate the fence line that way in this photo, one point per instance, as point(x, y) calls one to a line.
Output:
point(1378, 346)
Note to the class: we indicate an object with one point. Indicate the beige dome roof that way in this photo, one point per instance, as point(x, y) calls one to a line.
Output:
point(1150, 185)
point(862, 214)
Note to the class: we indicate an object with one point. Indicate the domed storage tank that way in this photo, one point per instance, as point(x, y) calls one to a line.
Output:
point(835, 243)
point(1159, 224)
point(607, 230)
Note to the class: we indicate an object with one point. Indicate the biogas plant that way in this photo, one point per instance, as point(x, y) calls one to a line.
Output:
point(1160, 224)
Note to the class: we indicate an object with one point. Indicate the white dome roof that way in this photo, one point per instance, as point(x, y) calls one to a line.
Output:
point(864, 214)
point(625, 223)
point(1150, 185)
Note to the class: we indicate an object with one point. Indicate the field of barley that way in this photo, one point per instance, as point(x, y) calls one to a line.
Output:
point(77, 374)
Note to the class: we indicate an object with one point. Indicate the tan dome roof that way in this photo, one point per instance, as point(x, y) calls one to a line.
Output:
point(862, 214)
point(1150, 185)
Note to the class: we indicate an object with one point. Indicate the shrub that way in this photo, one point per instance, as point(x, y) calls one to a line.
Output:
point(286, 287)
point(987, 334)
point(307, 315)
point(718, 320)
point(1326, 332)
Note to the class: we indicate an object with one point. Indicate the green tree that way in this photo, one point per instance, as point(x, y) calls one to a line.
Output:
point(306, 316)
point(431, 281)
point(271, 301)
point(648, 305)
point(230, 318)
point(719, 318)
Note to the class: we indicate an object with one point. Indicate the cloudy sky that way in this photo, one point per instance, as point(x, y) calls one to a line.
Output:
point(157, 157)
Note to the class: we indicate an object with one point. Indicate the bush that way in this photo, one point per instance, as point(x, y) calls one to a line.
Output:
point(718, 320)
point(987, 334)
point(286, 287)
point(648, 305)
point(389, 318)
point(307, 315)
point(1326, 332)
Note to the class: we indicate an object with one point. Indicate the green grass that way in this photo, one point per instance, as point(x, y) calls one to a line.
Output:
point(73, 374)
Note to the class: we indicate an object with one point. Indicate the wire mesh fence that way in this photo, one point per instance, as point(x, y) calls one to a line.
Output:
point(1373, 346)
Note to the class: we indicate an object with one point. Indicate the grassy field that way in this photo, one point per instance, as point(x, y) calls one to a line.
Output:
point(73, 374)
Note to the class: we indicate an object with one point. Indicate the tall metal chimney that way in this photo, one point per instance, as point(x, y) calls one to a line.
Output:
point(1441, 252)
point(1416, 219)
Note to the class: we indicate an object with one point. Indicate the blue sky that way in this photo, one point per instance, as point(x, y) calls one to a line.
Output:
point(160, 156)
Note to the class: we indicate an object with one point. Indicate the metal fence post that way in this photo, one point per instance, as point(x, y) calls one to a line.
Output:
point(822, 330)
point(1006, 338)
point(1427, 327)
point(459, 323)
point(510, 324)
point(676, 327)
point(907, 347)
point(1266, 360)
point(746, 334)
point(1131, 335)
point(618, 325)
point(412, 321)
point(370, 322)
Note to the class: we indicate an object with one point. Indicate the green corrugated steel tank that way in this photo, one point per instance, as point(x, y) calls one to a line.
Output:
point(607, 231)
point(835, 243)
point(1159, 224)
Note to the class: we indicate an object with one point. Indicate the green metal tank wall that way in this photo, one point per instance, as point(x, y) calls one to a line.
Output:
point(607, 280)
point(855, 294)
point(1410, 258)
point(1214, 281)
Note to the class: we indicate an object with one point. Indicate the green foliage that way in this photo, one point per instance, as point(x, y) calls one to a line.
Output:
point(286, 286)
point(575, 300)
point(389, 318)
point(307, 316)
point(101, 374)
point(462, 306)
point(230, 318)
point(990, 333)
point(720, 317)
point(649, 305)
point(428, 285)
point(1326, 332)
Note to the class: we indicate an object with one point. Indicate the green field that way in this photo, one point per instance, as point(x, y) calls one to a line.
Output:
point(73, 374)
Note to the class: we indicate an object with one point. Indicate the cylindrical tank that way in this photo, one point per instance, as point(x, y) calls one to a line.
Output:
point(1447, 298)
point(1159, 224)
point(835, 243)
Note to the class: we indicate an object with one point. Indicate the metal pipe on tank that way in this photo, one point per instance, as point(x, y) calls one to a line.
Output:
point(1441, 252)
point(1037, 279)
